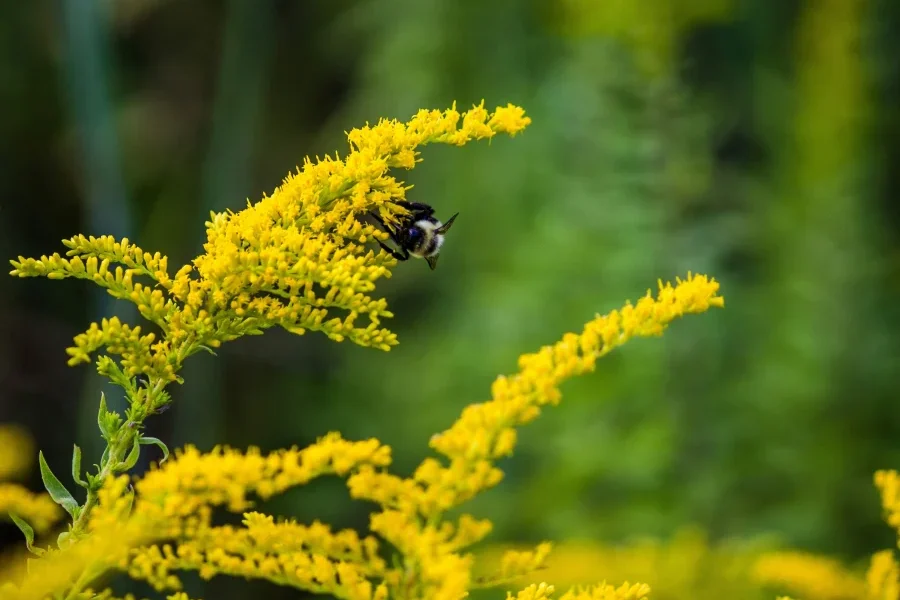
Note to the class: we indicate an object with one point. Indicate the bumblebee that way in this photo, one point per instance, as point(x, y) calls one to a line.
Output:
point(417, 234)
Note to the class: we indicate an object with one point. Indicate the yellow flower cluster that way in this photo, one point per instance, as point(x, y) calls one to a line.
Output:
point(412, 518)
point(110, 595)
point(603, 591)
point(302, 259)
point(685, 566)
point(883, 577)
point(170, 525)
point(70, 568)
point(486, 431)
point(817, 578)
point(808, 576)
point(888, 483)
point(297, 259)
point(18, 452)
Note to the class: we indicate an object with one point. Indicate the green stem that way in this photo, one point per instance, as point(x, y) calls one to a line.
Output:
point(117, 451)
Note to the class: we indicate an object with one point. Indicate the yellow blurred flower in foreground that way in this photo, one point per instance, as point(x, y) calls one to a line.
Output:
point(17, 454)
point(686, 567)
point(883, 577)
point(809, 576)
point(170, 525)
point(16, 458)
point(600, 592)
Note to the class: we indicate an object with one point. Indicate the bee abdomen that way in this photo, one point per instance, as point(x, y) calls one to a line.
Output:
point(433, 246)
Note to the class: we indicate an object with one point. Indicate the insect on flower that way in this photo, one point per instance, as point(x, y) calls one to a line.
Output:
point(417, 234)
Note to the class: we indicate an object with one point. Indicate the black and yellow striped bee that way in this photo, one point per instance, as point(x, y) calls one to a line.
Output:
point(417, 234)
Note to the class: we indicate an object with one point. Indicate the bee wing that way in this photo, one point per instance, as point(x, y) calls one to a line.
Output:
point(443, 228)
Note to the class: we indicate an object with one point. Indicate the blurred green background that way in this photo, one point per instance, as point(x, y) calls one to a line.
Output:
point(757, 141)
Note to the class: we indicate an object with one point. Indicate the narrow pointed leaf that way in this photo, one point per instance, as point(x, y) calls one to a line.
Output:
point(133, 456)
point(56, 489)
point(146, 440)
point(64, 540)
point(101, 417)
point(26, 529)
point(76, 467)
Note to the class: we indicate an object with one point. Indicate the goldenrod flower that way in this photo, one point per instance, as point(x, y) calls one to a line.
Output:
point(486, 431)
point(540, 591)
point(685, 566)
point(300, 259)
point(809, 576)
point(296, 259)
point(18, 452)
point(414, 507)
point(883, 577)
point(603, 591)
point(626, 591)
point(888, 484)
point(516, 564)
point(174, 503)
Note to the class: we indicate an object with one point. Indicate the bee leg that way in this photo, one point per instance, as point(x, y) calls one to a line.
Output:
point(404, 255)
point(375, 216)
point(390, 232)
point(384, 228)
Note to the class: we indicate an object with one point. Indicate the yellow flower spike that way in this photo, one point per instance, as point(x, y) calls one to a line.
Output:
point(516, 564)
point(535, 591)
point(808, 575)
point(883, 577)
point(299, 259)
point(604, 591)
point(306, 233)
point(888, 484)
point(18, 452)
point(485, 431)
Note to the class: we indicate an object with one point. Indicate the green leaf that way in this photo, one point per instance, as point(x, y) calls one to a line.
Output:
point(101, 417)
point(64, 540)
point(76, 467)
point(107, 420)
point(146, 440)
point(26, 529)
point(208, 349)
point(132, 457)
point(94, 482)
point(57, 490)
point(107, 367)
point(104, 458)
